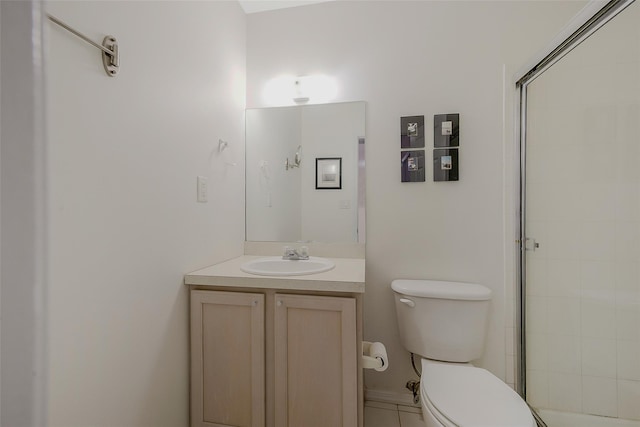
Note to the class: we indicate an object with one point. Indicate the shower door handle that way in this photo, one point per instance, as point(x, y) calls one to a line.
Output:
point(530, 244)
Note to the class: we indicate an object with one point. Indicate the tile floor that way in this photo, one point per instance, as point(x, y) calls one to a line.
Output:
point(379, 414)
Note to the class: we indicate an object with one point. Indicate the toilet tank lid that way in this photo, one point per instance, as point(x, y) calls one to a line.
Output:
point(441, 289)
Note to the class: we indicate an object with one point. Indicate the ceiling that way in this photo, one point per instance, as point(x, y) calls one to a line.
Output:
point(253, 6)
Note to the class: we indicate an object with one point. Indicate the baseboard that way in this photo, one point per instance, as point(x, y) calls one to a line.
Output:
point(405, 399)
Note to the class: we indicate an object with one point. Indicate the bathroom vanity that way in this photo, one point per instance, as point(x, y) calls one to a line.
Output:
point(276, 351)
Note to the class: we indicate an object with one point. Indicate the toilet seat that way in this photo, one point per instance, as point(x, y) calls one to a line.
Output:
point(466, 396)
point(434, 413)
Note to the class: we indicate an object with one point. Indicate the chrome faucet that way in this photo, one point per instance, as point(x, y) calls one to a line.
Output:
point(295, 255)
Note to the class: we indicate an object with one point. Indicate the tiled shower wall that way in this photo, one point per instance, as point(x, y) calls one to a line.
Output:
point(583, 207)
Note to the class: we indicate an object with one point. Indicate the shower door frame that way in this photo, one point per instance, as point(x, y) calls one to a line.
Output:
point(590, 20)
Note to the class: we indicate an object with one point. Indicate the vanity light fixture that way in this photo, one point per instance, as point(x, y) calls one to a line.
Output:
point(300, 90)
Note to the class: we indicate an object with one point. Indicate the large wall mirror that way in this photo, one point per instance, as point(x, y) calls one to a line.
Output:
point(305, 173)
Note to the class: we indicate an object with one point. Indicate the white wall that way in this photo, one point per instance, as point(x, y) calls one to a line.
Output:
point(412, 58)
point(125, 225)
point(22, 210)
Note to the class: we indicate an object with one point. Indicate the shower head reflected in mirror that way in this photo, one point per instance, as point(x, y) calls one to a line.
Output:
point(297, 159)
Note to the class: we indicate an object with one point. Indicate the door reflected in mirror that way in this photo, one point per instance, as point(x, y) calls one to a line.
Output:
point(305, 173)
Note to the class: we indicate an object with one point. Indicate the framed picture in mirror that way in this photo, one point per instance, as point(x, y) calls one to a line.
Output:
point(329, 173)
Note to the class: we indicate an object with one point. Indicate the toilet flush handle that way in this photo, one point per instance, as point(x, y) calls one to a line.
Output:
point(408, 302)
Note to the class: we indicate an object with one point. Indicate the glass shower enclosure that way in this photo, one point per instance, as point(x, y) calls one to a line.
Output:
point(580, 227)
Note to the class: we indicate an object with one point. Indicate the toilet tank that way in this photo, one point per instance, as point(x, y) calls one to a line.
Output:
point(441, 320)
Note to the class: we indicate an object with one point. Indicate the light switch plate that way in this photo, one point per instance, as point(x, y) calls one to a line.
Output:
point(203, 189)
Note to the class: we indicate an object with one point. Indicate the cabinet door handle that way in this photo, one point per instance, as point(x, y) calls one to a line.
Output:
point(408, 302)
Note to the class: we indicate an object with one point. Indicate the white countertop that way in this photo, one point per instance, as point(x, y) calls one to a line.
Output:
point(347, 276)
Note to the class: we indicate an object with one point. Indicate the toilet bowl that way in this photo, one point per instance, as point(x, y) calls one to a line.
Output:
point(445, 324)
point(463, 395)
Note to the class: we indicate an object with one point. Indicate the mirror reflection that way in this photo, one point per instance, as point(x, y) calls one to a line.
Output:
point(305, 173)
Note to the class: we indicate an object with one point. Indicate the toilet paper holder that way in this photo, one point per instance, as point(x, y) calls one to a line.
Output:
point(374, 356)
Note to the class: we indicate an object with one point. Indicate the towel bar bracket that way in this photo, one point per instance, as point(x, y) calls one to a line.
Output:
point(110, 60)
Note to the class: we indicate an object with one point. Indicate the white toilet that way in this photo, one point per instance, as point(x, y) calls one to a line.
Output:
point(445, 324)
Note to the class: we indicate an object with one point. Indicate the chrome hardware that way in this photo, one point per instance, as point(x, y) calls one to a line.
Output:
point(110, 61)
point(298, 157)
point(531, 244)
point(297, 160)
point(109, 47)
point(414, 386)
point(408, 302)
point(528, 246)
point(295, 255)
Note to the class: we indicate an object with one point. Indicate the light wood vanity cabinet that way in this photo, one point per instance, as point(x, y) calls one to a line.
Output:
point(227, 359)
point(315, 361)
point(274, 359)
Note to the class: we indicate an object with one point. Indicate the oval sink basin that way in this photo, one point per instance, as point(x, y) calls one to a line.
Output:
point(276, 266)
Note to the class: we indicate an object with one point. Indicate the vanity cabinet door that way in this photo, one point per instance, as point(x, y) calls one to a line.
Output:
point(315, 361)
point(227, 359)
